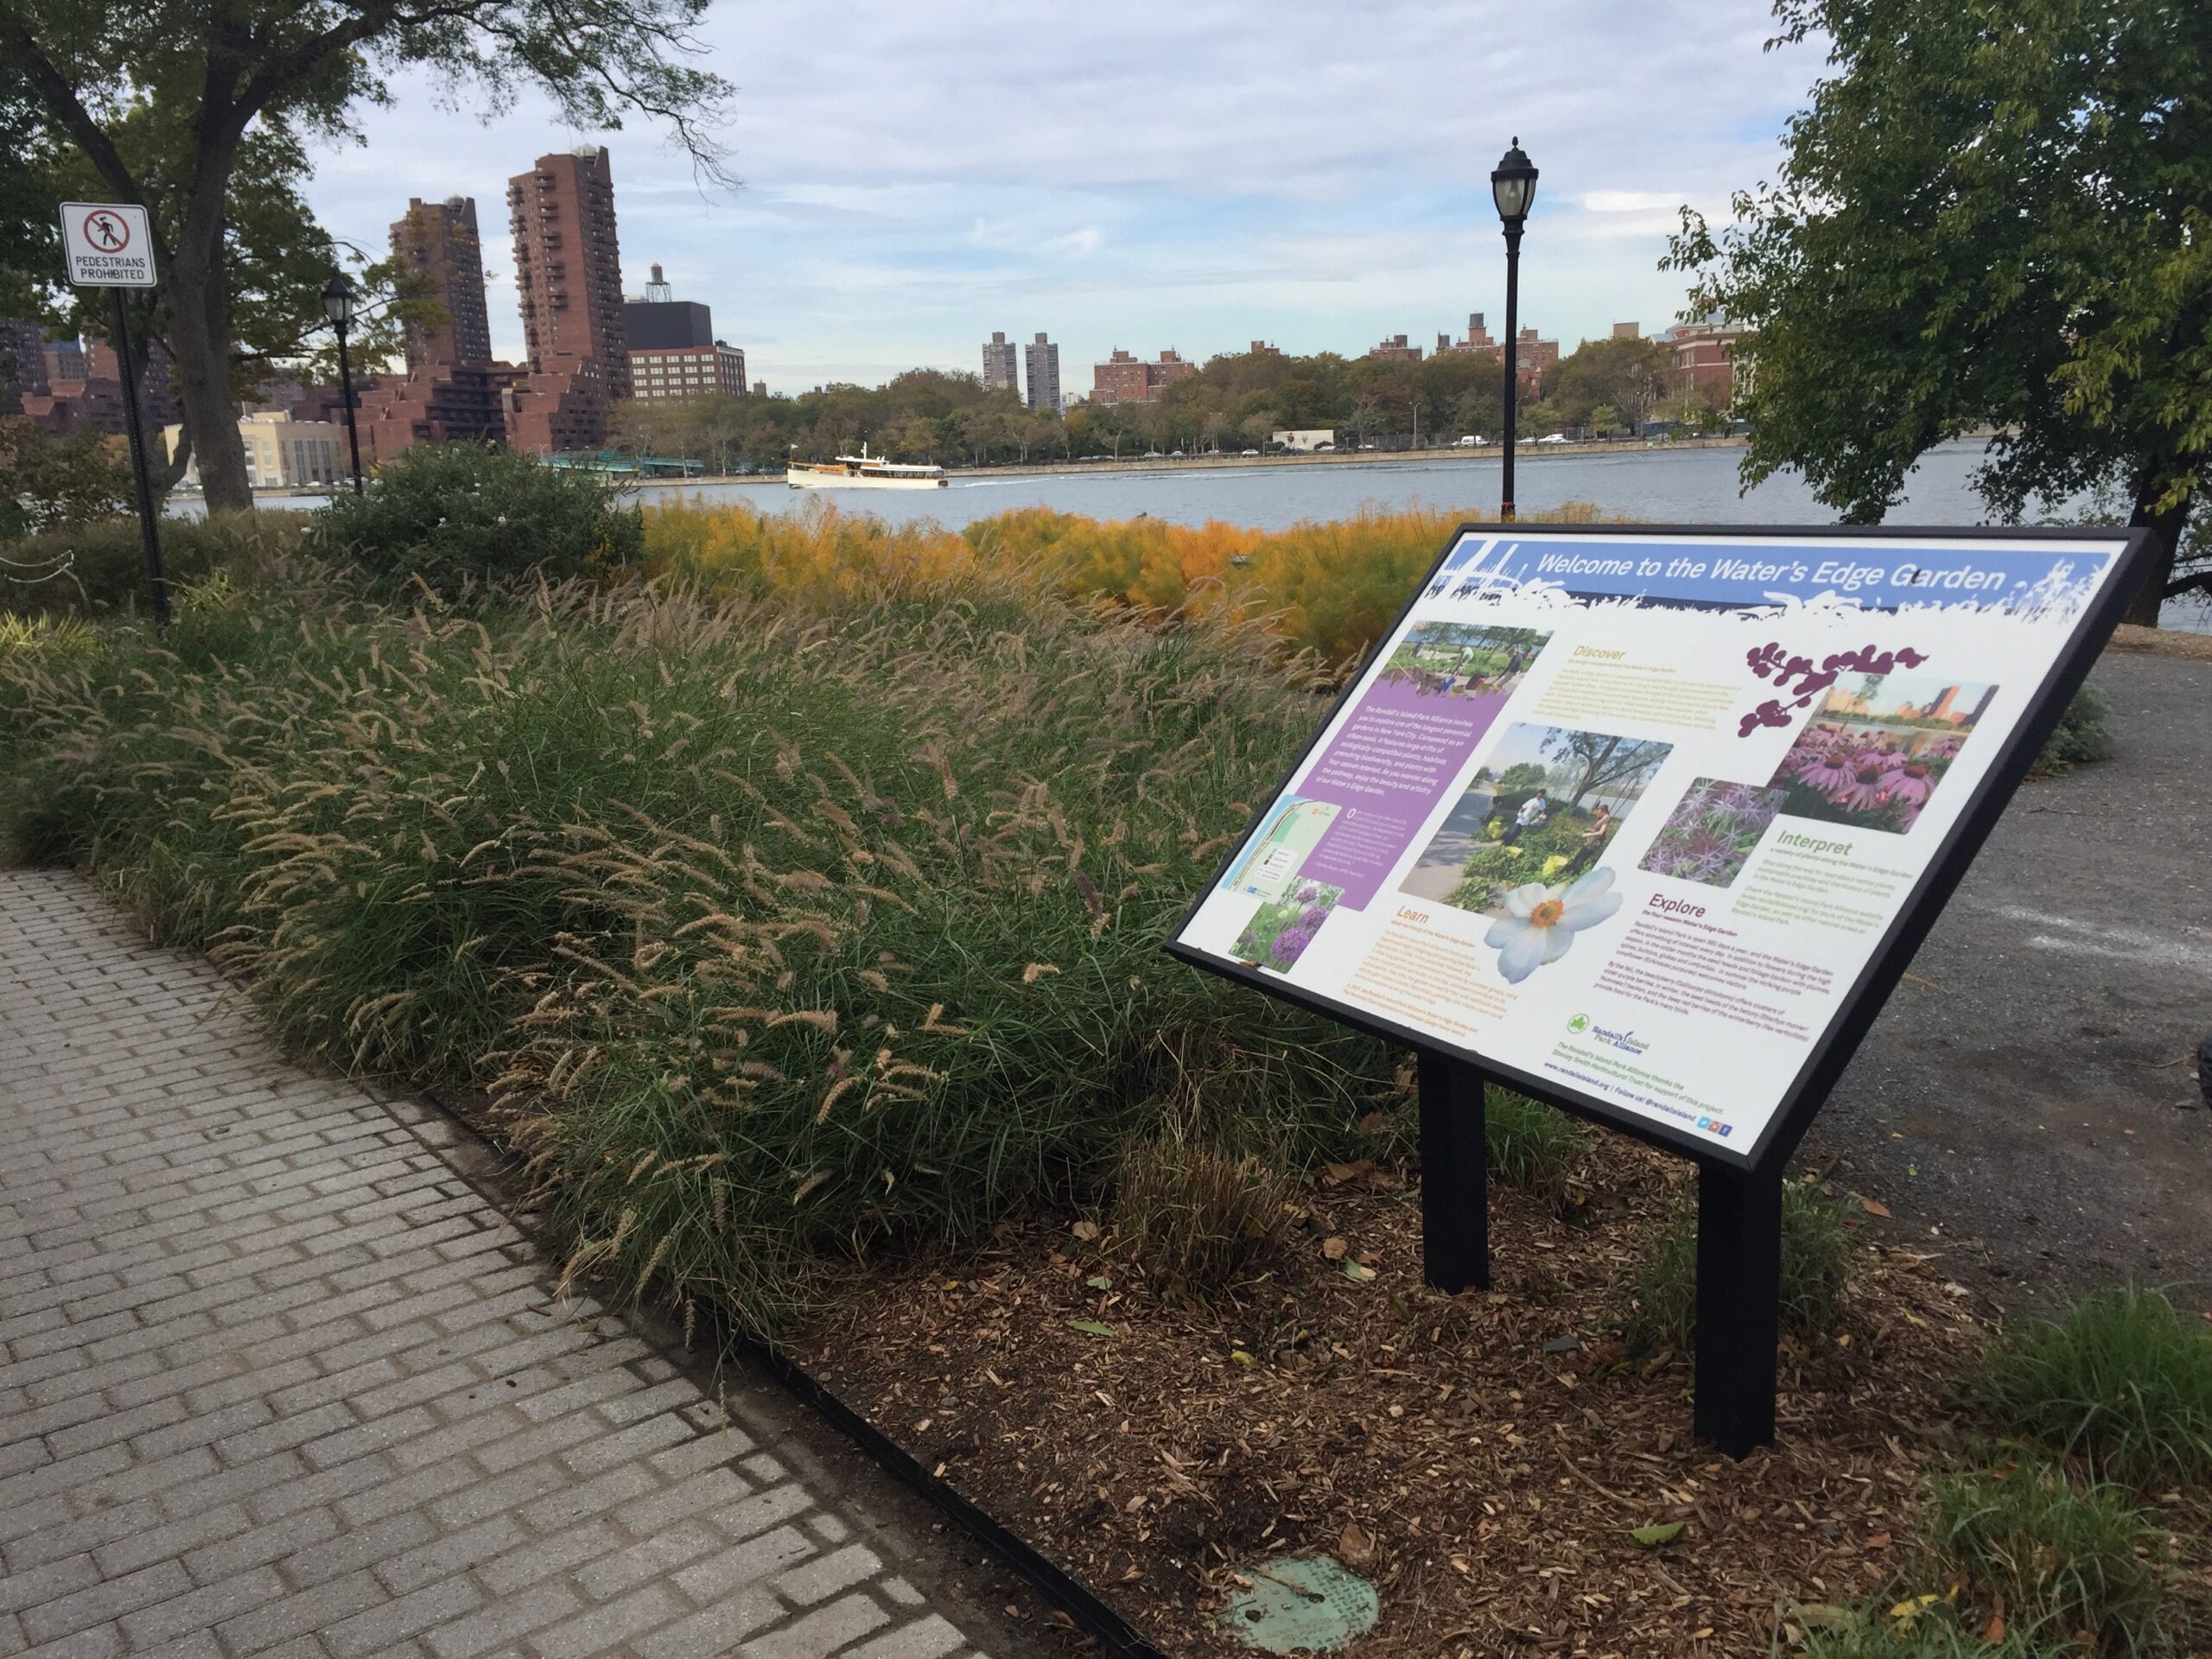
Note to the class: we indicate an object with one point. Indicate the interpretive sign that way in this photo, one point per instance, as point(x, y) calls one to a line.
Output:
point(1647, 823)
point(108, 243)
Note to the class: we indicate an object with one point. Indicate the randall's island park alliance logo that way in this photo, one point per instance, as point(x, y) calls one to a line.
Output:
point(1627, 1041)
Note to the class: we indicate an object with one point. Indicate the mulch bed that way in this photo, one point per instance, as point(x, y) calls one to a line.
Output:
point(1482, 1458)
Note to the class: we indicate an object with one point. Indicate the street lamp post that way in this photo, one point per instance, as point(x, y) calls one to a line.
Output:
point(1513, 186)
point(338, 306)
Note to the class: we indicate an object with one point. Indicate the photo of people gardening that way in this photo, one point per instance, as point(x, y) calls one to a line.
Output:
point(1712, 831)
point(1523, 843)
point(1279, 931)
point(1463, 659)
point(1872, 755)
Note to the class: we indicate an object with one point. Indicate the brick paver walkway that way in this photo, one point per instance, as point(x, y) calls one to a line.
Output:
point(275, 1379)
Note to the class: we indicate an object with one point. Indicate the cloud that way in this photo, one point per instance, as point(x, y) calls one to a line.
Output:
point(1144, 175)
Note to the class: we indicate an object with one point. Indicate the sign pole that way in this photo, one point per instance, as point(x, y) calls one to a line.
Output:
point(149, 529)
point(1738, 1306)
point(1455, 1175)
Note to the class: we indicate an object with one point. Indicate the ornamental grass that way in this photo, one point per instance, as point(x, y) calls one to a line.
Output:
point(774, 928)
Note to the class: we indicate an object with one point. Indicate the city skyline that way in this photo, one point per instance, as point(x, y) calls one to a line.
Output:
point(1168, 193)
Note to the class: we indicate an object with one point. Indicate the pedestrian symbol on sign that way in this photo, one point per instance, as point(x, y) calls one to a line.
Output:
point(107, 231)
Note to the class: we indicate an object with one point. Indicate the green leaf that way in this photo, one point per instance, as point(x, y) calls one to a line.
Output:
point(1357, 1274)
point(1658, 1533)
point(1099, 1282)
point(1091, 1327)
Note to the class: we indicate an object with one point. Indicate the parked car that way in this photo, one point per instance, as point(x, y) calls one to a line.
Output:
point(1472, 441)
point(1323, 449)
point(1553, 437)
point(1155, 455)
point(1248, 452)
point(1176, 454)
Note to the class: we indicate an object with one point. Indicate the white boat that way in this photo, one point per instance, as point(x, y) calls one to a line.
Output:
point(861, 472)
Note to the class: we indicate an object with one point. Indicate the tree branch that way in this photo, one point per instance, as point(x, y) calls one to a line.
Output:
point(53, 91)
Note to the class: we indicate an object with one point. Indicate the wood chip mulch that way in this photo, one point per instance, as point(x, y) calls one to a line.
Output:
point(1482, 1458)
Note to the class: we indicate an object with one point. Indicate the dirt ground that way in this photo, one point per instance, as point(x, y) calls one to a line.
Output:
point(2027, 1105)
point(1483, 1459)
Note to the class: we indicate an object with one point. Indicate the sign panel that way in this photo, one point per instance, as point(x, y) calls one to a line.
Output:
point(1646, 822)
point(109, 244)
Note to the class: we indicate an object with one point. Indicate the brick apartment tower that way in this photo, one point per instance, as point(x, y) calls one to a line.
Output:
point(437, 242)
point(569, 273)
point(450, 393)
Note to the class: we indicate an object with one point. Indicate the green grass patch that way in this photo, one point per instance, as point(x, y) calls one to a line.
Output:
point(1530, 1145)
point(2124, 1381)
point(1816, 1251)
point(2052, 1558)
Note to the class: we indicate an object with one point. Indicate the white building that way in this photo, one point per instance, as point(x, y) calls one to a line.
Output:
point(280, 452)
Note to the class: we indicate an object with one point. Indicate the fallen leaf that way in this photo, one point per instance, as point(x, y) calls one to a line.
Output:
point(1085, 1230)
point(1335, 1249)
point(1994, 1630)
point(1879, 1540)
point(1658, 1533)
point(1242, 1358)
point(1374, 1123)
point(1354, 1546)
point(1091, 1327)
point(1905, 1611)
point(1099, 1282)
point(1875, 1207)
point(1357, 1274)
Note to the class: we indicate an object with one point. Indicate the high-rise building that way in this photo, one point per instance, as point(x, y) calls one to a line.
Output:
point(23, 362)
point(673, 351)
point(1001, 364)
point(437, 243)
point(569, 275)
point(1042, 359)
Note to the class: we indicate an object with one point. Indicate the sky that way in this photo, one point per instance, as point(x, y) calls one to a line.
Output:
point(1139, 175)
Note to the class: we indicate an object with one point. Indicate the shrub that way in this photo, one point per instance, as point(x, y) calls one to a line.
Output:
point(457, 514)
point(2053, 1558)
point(1530, 1145)
point(100, 568)
point(1815, 1272)
point(1198, 1218)
point(2123, 1380)
point(2083, 734)
point(49, 482)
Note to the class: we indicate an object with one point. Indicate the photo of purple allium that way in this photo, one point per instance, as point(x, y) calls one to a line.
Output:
point(1712, 831)
point(1280, 930)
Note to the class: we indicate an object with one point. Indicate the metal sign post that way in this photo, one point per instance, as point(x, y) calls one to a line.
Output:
point(110, 246)
point(1646, 824)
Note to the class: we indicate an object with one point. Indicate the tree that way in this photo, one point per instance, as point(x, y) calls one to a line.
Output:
point(210, 78)
point(1992, 215)
point(47, 481)
point(1594, 760)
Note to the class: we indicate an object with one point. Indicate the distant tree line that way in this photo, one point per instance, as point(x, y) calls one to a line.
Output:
point(1236, 402)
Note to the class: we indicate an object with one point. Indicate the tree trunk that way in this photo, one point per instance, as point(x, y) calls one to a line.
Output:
point(2165, 529)
point(200, 336)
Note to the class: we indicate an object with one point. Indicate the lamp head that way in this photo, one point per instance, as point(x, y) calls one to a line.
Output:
point(1513, 186)
point(338, 299)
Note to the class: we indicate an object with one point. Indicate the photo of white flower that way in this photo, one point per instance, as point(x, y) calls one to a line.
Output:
point(1540, 922)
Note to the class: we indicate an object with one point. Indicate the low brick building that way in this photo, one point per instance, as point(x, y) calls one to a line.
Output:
point(1124, 378)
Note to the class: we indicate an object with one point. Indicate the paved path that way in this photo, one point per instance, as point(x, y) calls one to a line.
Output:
point(275, 1379)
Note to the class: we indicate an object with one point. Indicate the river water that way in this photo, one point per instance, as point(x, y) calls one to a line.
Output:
point(1659, 485)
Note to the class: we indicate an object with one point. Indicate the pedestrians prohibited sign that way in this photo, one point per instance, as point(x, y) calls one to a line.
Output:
point(108, 244)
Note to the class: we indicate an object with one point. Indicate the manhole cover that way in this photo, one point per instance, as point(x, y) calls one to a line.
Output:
point(1312, 1605)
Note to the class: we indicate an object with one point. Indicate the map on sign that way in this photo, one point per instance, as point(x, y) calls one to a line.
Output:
point(108, 244)
point(1628, 818)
